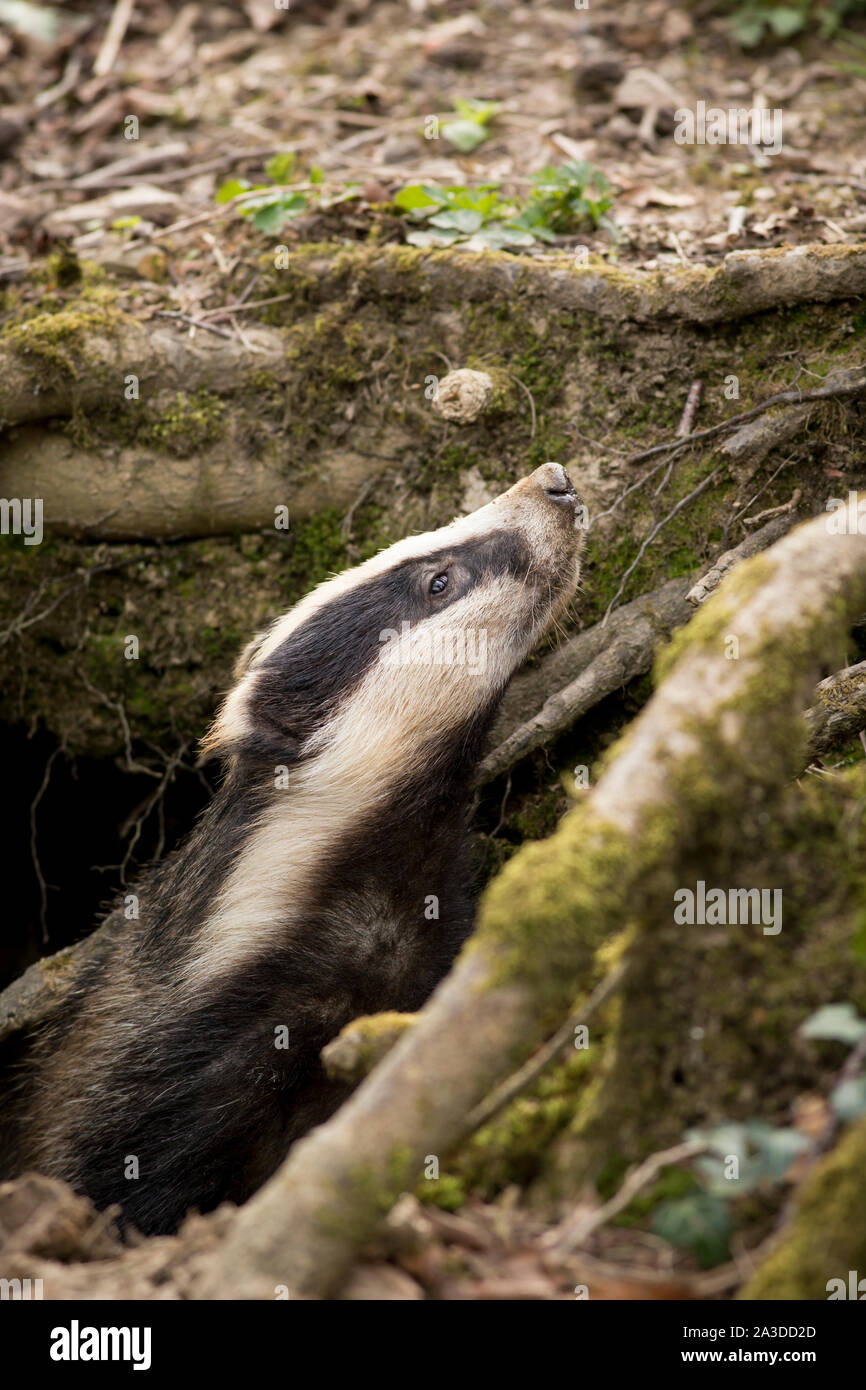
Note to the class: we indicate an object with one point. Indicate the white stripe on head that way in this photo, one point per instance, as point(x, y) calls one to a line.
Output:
point(380, 734)
point(425, 682)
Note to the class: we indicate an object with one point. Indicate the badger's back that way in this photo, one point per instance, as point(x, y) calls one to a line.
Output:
point(162, 1096)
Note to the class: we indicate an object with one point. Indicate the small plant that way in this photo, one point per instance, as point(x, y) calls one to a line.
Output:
point(271, 206)
point(471, 215)
point(562, 200)
point(566, 196)
point(756, 20)
point(468, 129)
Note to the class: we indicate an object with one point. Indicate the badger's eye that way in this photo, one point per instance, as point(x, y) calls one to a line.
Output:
point(439, 584)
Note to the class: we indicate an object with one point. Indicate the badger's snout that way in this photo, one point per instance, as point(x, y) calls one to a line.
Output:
point(548, 484)
point(556, 484)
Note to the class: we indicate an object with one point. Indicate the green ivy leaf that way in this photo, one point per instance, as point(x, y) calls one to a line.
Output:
point(232, 189)
point(464, 135)
point(786, 21)
point(839, 1022)
point(478, 111)
point(700, 1223)
point(417, 196)
point(461, 219)
point(848, 1099)
point(764, 1155)
point(270, 213)
point(432, 238)
point(517, 236)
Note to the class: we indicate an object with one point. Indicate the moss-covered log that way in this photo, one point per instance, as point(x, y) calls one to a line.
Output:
point(332, 387)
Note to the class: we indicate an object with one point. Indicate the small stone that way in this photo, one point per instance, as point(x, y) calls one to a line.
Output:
point(597, 78)
point(376, 1283)
point(398, 149)
point(463, 395)
point(465, 57)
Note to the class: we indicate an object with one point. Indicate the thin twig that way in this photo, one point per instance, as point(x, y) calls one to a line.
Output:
point(783, 510)
point(226, 309)
point(34, 852)
point(782, 398)
point(693, 400)
point(114, 34)
point(155, 799)
point(695, 492)
point(194, 323)
point(529, 397)
point(24, 620)
point(576, 1230)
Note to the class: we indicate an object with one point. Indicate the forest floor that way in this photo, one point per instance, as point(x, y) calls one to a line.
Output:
point(348, 90)
point(327, 110)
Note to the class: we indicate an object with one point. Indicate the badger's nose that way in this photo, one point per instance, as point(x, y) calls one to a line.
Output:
point(556, 484)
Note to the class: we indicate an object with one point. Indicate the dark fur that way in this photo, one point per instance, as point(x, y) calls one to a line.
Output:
point(200, 1094)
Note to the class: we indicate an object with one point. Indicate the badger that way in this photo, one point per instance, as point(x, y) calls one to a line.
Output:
point(328, 878)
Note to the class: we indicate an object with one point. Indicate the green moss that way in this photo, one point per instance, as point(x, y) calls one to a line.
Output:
point(189, 422)
point(364, 1042)
point(712, 622)
point(513, 1147)
point(61, 341)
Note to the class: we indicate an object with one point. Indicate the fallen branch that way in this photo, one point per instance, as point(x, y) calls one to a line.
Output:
point(545, 700)
point(93, 354)
point(629, 654)
point(602, 660)
point(767, 536)
point(839, 712)
point(746, 283)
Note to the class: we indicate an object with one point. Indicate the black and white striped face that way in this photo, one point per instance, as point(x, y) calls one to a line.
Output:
point(396, 652)
point(370, 697)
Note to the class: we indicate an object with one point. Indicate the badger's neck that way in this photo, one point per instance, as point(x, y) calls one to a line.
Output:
point(376, 819)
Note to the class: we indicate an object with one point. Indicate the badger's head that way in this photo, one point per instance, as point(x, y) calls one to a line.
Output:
point(392, 663)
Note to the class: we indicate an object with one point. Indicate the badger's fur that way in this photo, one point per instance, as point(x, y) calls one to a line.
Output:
point(327, 879)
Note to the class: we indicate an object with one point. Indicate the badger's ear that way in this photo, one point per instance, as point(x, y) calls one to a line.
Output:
point(247, 656)
point(249, 724)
